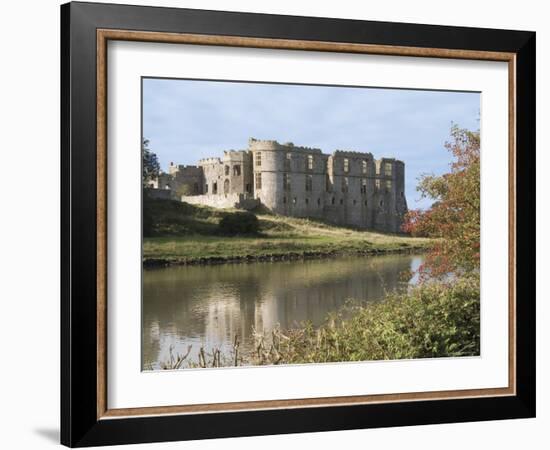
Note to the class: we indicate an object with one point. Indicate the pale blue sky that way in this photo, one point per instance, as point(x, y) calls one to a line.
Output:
point(186, 120)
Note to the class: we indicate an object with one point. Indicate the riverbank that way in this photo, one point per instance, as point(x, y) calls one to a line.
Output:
point(187, 234)
point(179, 234)
point(171, 252)
point(433, 320)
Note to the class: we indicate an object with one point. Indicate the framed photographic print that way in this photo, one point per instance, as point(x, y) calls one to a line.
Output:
point(277, 224)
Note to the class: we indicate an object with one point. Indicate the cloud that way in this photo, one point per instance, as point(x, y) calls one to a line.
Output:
point(186, 120)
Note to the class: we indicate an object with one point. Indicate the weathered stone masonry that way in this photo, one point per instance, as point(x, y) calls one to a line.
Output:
point(345, 188)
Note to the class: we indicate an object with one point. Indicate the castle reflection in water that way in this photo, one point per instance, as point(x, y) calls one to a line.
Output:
point(208, 305)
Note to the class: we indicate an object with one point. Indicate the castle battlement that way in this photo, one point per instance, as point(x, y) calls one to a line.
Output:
point(344, 187)
point(352, 154)
point(212, 160)
point(259, 144)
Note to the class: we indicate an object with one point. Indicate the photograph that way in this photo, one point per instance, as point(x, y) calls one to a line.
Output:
point(299, 224)
point(289, 221)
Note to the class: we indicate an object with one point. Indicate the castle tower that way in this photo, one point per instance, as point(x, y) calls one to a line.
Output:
point(351, 180)
point(289, 180)
point(389, 195)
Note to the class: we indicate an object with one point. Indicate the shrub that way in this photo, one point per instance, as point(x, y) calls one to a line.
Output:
point(435, 319)
point(239, 223)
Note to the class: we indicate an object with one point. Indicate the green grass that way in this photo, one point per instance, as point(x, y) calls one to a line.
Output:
point(183, 233)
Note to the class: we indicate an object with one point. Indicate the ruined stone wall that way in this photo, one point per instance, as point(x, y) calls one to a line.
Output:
point(239, 201)
point(292, 178)
point(345, 188)
point(389, 199)
point(186, 180)
point(351, 176)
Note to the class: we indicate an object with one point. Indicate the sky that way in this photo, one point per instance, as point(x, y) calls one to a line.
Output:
point(186, 120)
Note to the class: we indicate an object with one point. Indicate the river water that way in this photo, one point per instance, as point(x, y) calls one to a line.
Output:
point(208, 305)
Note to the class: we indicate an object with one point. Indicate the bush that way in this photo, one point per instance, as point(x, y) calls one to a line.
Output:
point(436, 319)
point(239, 223)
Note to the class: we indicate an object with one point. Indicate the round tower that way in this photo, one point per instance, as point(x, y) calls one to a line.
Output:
point(268, 166)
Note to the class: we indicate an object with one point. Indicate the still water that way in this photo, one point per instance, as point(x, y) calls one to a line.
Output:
point(208, 305)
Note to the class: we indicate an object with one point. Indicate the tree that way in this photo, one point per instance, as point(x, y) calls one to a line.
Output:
point(151, 166)
point(454, 218)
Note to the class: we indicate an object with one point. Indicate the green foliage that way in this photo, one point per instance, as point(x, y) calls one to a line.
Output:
point(174, 218)
point(184, 189)
point(436, 319)
point(150, 163)
point(239, 223)
point(454, 218)
point(148, 220)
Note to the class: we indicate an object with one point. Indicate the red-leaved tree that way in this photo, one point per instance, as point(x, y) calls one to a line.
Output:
point(453, 219)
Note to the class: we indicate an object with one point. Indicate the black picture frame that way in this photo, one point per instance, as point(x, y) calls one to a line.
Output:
point(80, 425)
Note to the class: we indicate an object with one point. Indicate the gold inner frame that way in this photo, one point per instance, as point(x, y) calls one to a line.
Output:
point(103, 36)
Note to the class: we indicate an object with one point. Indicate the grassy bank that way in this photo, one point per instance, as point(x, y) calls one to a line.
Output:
point(436, 319)
point(183, 233)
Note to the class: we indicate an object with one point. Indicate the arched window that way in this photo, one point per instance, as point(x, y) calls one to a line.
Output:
point(226, 187)
point(227, 170)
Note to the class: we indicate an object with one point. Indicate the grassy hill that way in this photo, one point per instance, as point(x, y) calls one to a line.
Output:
point(181, 233)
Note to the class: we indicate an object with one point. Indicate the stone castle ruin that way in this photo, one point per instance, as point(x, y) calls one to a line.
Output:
point(345, 188)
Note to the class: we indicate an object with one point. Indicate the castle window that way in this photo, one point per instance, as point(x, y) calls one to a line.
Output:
point(206, 188)
point(341, 201)
point(363, 185)
point(365, 203)
point(258, 181)
point(346, 165)
point(309, 182)
point(307, 201)
point(364, 166)
point(214, 187)
point(319, 202)
point(258, 158)
point(387, 169)
point(309, 162)
point(284, 199)
point(287, 161)
point(226, 187)
point(227, 170)
point(247, 188)
point(401, 194)
point(167, 187)
point(333, 200)
point(237, 170)
point(388, 185)
point(286, 181)
point(345, 184)
point(294, 200)
point(381, 202)
point(354, 201)
point(377, 184)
